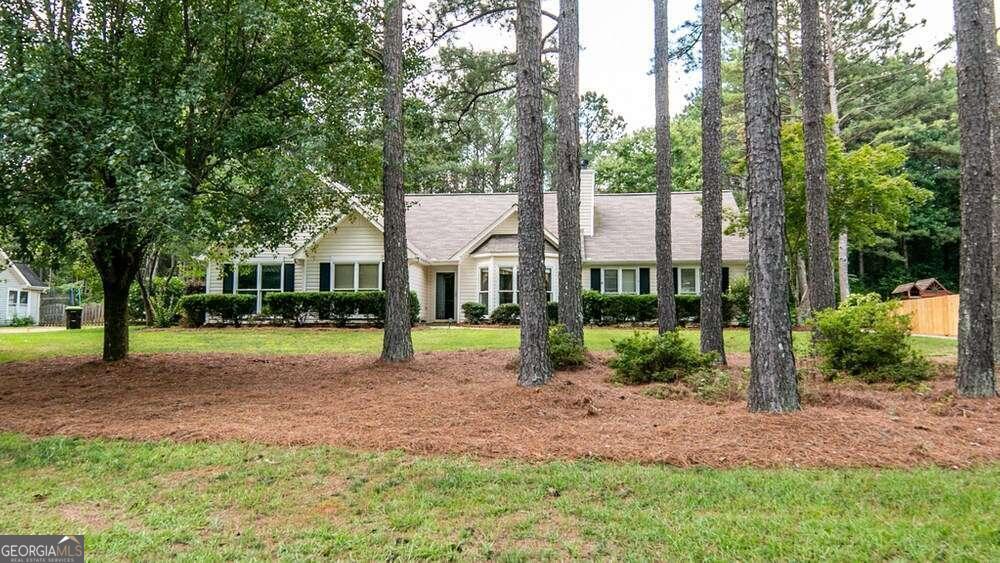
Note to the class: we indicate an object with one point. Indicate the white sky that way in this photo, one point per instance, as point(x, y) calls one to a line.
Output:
point(617, 41)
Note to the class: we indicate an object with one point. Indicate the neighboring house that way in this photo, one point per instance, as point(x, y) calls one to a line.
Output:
point(463, 247)
point(20, 290)
point(920, 289)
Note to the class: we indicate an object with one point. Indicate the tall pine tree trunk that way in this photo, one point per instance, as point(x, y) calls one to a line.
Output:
point(666, 311)
point(819, 275)
point(772, 364)
point(975, 325)
point(568, 171)
point(843, 246)
point(711, 173)
point(993, 81)
point(535, 367)
point(397, 345)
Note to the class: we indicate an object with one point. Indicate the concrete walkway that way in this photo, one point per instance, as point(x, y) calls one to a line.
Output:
point(24, 329)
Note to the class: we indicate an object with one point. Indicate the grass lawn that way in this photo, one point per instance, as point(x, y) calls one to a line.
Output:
point(277, 341)
point(241, 501)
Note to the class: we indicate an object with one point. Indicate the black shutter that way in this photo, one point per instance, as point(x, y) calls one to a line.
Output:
point(227, 278)
point(324, 276)
point(595, 279)
point(382, 269)
point(643, 281)
point(725, 279)
point(676, 289)
point(289, 273)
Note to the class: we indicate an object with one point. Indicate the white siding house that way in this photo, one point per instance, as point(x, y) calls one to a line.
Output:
point(463, 247)
point(20, 291)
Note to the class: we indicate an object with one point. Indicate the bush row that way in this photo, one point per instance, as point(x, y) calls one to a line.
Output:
point(609, 309)
point(294, 307)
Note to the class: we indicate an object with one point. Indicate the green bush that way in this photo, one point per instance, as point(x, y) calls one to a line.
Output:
point(564, 351)
point(738, 299)
point(339, 307)
point(165, 295)
point(865, 338)
point(229, 308)
point(474, 312)
point(612, 309)
point(506, 314)
point(645, 357)
point(21, 322)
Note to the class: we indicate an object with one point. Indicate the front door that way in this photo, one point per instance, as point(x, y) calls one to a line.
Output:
point(445, 296)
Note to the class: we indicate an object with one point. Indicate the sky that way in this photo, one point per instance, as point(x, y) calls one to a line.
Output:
point(617, 41)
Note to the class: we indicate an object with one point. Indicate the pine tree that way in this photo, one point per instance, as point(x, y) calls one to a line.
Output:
point(666, 311)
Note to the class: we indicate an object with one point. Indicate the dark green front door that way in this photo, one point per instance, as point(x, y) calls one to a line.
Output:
point(445, 301)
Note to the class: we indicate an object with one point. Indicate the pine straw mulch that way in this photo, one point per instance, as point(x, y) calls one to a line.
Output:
point(468, 403)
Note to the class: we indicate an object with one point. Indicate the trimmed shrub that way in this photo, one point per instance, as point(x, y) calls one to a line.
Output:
point(564, 351)
point(865, 338)
point(611, 309)
point(738, 299)
point(506, 314)
point(231, 309)
point(645, 358)
point(474, 312)
point(339, 307)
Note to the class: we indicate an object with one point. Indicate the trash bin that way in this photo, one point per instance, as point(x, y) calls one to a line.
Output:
point(74, 317)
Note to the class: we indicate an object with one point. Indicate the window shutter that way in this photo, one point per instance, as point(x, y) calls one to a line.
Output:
point(324, 276)
point(289, 274)
point(227, 278)
point(643, 281)
point(725, 279)
point(595, 279)
point(676, 289)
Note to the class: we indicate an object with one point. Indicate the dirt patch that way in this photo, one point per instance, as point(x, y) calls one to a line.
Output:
point(468, 403)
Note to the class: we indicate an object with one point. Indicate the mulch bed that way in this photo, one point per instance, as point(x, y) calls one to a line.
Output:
point(468, 403)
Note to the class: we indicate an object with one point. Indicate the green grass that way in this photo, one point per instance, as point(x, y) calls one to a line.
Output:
point(242, 501)
point(275, 341)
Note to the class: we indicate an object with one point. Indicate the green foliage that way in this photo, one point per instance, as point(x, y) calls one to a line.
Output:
point(506, 314)
point(714, 385)
point(474, 312)
point(866, 339)
point(738, 298)
point(21, 322)
point(645, 358)
point(340, 307)
point(228, 308)
point(165, 295)
point(626, 308)
point(564, 351)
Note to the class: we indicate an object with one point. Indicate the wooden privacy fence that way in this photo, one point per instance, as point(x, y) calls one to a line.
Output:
point(935, 315)
point(54, 314)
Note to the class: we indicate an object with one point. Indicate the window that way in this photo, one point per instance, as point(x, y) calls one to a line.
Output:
point(12, 298)
point(620, 280)
point(610, 280)
point(484, 286)
point(548, 284)
point(254, 279)
point(270, 280)
point(343, 277)
point(629, 281)
point(24, 298)
point(368, 276)
point(506, 286)
point(687, 280)
point(246, 279)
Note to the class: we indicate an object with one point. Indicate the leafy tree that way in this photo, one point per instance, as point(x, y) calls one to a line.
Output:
point(599, 124)
point(128, 123)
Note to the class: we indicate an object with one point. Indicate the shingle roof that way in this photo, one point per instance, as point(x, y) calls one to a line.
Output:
point(29, 274)
point(439, 225)
point(500, 244)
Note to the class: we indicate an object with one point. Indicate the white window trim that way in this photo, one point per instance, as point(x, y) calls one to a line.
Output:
point(697, 280)
point(357, 276)
point(260, 279)
point(619, 274)
point(553, 288)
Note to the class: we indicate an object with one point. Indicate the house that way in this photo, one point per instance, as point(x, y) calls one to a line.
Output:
point(20, 291)
point(920, 289)
point(463, 247)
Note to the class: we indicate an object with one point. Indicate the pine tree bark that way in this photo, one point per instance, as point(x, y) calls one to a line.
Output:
point(772, 364)
point(976, 376)
point(993, 83)
point(666, 308)
point(397, 346)
point(711, 173)
point(819, 274)
point(568, 171)
point(535, 367)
